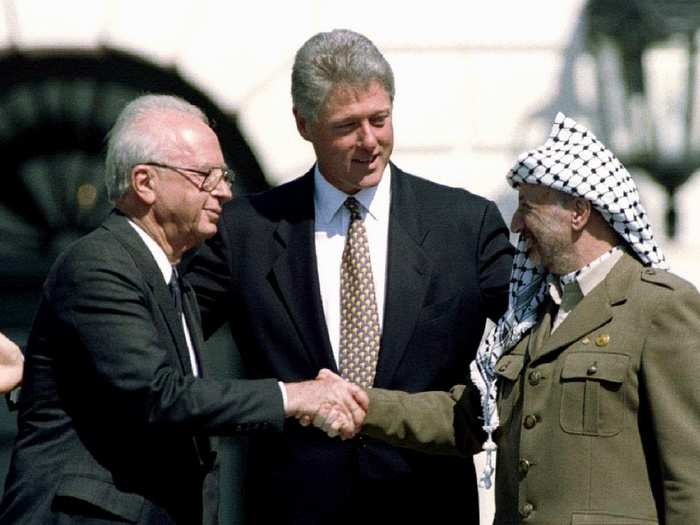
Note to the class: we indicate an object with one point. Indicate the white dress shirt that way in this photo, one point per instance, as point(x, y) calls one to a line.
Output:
point(331, 227)
point(167, 270)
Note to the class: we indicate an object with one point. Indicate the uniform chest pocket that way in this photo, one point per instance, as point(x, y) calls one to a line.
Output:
point(508, 369)
point(593, 397)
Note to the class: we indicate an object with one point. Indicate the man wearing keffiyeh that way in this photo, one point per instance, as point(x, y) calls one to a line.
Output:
point(587, 386)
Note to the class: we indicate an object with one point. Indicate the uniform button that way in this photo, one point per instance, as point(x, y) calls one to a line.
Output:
point(526, 510)
point(523, 466)
point(534, 378)
point(530, 421)
point(592, 370)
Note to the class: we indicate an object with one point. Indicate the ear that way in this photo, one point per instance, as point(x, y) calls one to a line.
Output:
point(581, 213)
point(303, 126)
point(143, 183)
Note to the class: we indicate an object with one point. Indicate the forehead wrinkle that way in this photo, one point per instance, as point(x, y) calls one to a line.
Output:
point(343, 98)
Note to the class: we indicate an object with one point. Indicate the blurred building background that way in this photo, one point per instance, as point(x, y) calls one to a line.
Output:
point(477, 83)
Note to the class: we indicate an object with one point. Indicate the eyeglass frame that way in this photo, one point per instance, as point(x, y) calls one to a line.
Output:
point(227, 175)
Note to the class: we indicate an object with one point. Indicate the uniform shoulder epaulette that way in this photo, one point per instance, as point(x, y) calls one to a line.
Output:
point(660, 278)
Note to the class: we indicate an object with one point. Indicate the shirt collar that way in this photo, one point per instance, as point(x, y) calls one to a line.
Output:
point(158, 254)
point(328, 199)
point(588, 277)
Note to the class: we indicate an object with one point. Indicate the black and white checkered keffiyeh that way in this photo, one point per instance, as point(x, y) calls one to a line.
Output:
point(572, 161)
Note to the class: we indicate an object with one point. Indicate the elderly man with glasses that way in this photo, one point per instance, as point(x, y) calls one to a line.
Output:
point(116, 414)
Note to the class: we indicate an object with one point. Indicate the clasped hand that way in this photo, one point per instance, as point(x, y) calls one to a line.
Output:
point(332, 404)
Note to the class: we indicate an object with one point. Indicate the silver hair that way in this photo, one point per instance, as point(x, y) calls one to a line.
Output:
point(340, 56)
point(128, 144)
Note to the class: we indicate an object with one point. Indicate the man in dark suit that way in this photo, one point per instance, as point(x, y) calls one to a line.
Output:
point(115, 413)
point(436, 265)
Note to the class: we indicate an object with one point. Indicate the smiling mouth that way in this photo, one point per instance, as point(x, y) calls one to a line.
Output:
point(366, 162)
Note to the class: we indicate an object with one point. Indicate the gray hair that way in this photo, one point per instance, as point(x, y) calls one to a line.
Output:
point(337, 57)
point(128, 144)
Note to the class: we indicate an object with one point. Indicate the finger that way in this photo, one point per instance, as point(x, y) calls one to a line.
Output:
point(347, 431)
point(329, 426)
point(324, 420)
point(350, 421)
point(341, 421)
point(324, 373)
point(358, 417)
point(352, 408)
point(360, 397)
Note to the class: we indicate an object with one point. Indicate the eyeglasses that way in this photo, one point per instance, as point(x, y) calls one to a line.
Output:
point(212, 178)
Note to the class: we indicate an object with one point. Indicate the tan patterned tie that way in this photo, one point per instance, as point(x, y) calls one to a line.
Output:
point(359, 321)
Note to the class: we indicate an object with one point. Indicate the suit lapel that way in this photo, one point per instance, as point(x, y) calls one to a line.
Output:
point(118, 224)
point(295, 272)
point(594, 310)
point(407, 276)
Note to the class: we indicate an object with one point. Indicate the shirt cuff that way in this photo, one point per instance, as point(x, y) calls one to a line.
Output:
point(284, 395)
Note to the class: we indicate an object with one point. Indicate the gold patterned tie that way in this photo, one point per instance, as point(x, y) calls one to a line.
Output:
point(359, 321)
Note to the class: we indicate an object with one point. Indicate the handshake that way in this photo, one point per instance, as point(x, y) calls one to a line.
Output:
point(329, 402)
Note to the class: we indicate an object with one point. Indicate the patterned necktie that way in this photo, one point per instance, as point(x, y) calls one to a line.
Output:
point(359, 321)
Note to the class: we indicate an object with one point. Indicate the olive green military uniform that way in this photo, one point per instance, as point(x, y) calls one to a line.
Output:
point(599, 421)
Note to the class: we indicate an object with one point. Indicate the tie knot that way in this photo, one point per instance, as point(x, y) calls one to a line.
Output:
point(353, 207)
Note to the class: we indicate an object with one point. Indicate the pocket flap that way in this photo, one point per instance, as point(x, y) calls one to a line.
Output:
point(595, 366)
point(510, 365)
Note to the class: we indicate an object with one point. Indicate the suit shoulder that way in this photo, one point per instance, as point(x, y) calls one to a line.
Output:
point(273, 203)
point(98, 249)
point(430, 191)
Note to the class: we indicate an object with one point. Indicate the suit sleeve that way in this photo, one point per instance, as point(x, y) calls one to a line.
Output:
point(670, 372)
point(495, 259)
point(107, 319)
point(435, 422)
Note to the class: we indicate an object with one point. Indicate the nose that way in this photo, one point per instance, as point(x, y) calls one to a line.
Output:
point(367, 139)
point(223, 192)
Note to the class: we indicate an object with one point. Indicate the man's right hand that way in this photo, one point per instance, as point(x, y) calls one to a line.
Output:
point(11, 364)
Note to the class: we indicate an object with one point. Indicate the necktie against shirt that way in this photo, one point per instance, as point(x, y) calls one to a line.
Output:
point(176, 292)
point(359, 318)
point(175, 287)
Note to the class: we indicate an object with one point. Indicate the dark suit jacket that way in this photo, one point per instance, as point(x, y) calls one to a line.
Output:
point(111, 418)
point(448, 263)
